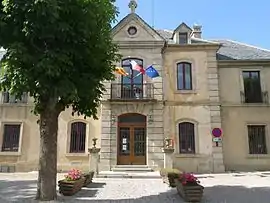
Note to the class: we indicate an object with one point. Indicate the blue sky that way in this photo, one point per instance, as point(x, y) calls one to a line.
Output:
point(243, 21)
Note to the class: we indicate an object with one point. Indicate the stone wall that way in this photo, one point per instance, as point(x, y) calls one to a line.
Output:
point(154, 134)
point(214, 101)
point(151, 55)
point(199, 106)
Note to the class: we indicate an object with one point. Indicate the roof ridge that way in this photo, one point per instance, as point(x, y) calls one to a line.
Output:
point(244, 44)
point(135, 16)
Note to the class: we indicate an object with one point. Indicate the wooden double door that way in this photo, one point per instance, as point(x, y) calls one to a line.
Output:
point(131, 144)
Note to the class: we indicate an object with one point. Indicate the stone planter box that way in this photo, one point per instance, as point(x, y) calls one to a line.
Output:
point(190, 192)
point(88, 178)
point(68, 188)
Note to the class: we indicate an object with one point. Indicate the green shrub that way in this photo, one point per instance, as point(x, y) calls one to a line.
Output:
point(169, 174)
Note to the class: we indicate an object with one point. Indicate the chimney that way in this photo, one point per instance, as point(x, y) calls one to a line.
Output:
point(197, 31)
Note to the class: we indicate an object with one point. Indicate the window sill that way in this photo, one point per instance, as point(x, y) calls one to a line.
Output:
point(258, 156)
point(10, 154)
point(16, 104)
point(255, 104)
point(185, 92)
point(77, 154)
point(189, 155)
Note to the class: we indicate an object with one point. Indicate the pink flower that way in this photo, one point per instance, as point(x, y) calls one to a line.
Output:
point(73, 174)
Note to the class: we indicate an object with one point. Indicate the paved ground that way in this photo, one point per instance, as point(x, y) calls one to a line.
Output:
point(222, 188)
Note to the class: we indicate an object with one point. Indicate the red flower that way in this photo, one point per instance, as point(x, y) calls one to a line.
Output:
point(188, 178)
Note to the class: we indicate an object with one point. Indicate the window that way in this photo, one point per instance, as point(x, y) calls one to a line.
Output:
point(77, 137)
point(11, 138)
point(256, 139)
point(186, 138)
point(132, 85)
point(183, 38)
point(132, 30)
point(9, 98)
point(252, 87)
point(184, 76)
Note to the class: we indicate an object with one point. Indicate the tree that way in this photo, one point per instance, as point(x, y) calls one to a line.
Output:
point(60, 51)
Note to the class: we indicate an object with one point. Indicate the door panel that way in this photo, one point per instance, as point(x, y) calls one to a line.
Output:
point(124, 145)
point(131, 145)
point(139, 150)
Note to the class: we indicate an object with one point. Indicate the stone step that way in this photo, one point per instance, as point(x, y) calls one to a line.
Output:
point(131, 168)
point(129, 175)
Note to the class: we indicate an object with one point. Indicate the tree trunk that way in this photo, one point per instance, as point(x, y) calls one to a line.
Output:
point(47, 174)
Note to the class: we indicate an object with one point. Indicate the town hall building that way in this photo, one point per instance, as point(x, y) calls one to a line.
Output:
point(210, 100)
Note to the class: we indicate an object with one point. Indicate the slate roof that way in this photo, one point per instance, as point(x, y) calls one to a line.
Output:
point(166, 34)
point(229, 50)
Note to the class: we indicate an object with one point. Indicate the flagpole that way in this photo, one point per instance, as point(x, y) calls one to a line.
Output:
point(153, 14)
point(131, 81)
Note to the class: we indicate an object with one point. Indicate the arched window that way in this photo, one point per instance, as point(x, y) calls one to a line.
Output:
point(184, 76)
point(186, 132)
point(77, 137)
point(132, 85)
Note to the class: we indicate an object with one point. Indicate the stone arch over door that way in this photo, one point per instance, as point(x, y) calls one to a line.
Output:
point(131, 139)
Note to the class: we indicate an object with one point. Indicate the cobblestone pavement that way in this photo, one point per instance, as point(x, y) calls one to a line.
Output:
point(222, 188)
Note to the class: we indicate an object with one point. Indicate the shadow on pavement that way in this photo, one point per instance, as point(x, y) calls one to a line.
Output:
point(18, 190)
point(215, 194)
point(24, 191)
point(170, 196)
point(236, 194)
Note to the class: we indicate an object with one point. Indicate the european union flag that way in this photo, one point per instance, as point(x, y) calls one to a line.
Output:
point(151, 72)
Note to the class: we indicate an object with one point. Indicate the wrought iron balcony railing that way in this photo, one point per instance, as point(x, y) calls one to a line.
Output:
point(255, 97)
point(120, 91)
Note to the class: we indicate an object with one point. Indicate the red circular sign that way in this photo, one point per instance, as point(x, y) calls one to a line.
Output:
point(216, 132)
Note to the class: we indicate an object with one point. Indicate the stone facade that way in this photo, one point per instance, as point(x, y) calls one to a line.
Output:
point(213, 102)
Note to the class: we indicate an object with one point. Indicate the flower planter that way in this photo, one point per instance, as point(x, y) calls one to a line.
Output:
point(190, 192)
point(88, 178)
point(68, 188)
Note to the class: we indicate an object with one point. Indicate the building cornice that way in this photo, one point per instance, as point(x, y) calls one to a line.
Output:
point(139, 44)
point(190, 47)
point(243, 63)
point(191, 103)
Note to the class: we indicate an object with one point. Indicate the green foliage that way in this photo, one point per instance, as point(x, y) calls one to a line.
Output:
point(60, 51)
point(169, 175)
point(170, 172)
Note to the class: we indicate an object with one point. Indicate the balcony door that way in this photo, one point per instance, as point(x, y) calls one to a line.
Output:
point(132, 85)
point(131, 139)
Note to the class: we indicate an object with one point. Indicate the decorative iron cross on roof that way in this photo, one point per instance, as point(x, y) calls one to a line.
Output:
point(132, 5)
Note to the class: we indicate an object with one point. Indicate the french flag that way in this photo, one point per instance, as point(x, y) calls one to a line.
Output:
point(137, 67)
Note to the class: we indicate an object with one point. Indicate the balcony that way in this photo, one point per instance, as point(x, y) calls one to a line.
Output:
point(132, 92)
point(254, 98)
